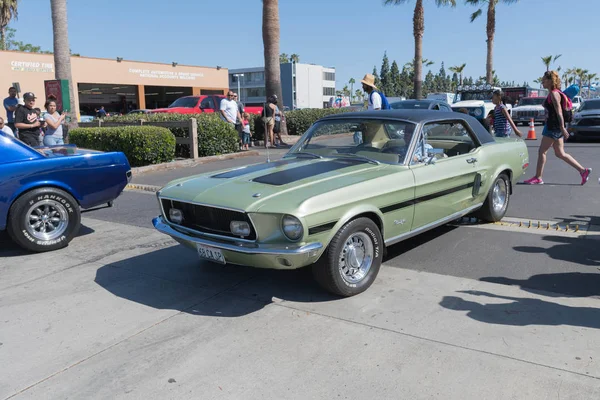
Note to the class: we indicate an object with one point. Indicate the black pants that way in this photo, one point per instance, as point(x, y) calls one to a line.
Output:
point(11, 125)
point(29, 139)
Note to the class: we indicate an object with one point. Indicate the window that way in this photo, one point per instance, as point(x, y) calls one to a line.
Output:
point(329, 76)
point(443, 140)
point(207, 103)
point(256, 92)
point(255, 77)
point(328, 91)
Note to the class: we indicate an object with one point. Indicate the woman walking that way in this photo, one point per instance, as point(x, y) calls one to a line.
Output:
point(555, 131)
point(54, 129)
point(501, 120)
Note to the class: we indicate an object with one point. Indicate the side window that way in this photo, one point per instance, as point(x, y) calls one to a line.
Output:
point(448, 139)
point(435, 107)
point(207, 103)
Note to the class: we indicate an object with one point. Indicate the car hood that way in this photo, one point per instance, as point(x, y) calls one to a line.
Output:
point(528, 108)
point(589, 113)
point(279, 186)
point(469, 103)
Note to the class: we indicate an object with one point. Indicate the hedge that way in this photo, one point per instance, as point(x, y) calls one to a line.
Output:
point(215, 137)
point(143, 145)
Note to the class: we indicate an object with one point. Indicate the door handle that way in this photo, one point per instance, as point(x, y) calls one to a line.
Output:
point(471, 160)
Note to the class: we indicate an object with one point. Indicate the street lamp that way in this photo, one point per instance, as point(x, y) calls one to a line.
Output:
point(238, 80)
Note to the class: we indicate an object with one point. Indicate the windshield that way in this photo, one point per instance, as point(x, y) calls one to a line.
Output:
point(412, 105)
point(532, 101)
point(366, 139)
point(187, 102)
point(485, 95)
point(590, 105)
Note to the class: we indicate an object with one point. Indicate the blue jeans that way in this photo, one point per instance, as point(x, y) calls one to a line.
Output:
point(555, 134)
point(53, 141)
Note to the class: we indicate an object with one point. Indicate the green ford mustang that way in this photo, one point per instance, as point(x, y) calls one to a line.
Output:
point(352, 185)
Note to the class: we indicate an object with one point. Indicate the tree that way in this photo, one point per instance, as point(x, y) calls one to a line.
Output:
point(295, 58)
point(359, 95)
point(270, 33)
point(284, 58)
point(418, 31)
point(490, 29)
point(62, 51)
point(458, 69)
point(8, 11)
point(376, 75)
point(549, 60)
point(395, 80)
point(351, 82)
point(384, 74)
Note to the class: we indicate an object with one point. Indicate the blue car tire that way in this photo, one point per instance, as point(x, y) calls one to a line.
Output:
point(44, 219)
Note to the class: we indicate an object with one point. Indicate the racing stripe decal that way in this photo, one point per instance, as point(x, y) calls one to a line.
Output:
point(408, 203)
point(255, 168)
point(303, 172)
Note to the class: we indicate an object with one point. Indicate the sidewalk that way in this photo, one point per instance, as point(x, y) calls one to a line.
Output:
point(138, 316)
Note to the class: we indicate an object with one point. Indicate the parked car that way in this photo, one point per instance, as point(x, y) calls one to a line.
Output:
point(586, 121)
point(200, 104)
point(141, 111)
point(44, 188)
point(529, 107)
point(577, 102)
point(354, 184)
point(86, 118)
point(426, 104)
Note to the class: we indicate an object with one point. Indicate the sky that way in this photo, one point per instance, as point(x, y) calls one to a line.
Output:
point(350, 35)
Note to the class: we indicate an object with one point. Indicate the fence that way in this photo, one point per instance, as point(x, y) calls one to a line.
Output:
point(191, 126)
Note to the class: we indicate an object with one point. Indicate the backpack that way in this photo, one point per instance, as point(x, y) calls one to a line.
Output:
point(567, 107)
point(385, 105)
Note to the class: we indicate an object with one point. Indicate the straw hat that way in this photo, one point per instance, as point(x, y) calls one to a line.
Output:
point(369, 80)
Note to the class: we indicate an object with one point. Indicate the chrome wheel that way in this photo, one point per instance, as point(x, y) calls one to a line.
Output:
point(46, 220)
point(356, 257)
point(499, 195)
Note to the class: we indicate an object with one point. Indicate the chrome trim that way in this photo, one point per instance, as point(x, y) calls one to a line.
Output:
point(431, 225)
point(160, 224)
point(192, 231)
point(203, 204)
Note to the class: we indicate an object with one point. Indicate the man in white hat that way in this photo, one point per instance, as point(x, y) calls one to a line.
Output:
point(368, 85)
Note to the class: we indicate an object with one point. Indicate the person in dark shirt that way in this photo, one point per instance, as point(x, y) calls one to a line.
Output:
point(27, 121)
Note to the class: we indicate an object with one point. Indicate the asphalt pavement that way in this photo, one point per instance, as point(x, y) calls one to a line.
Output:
point(460, 312)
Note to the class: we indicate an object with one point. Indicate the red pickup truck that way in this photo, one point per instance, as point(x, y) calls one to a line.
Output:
point(200, 104)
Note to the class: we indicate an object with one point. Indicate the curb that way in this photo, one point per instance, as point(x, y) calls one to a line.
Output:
point(192, 162)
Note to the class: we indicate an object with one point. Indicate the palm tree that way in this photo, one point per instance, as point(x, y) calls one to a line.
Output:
point(351, 82)
point(358, 94)
point(418, 31)
point(8, 11)
point(590, 78)
point(549, 60)
point(270, 33)
point(490, 29)
point(459, 70)
point(295, 58)
point(62, 52)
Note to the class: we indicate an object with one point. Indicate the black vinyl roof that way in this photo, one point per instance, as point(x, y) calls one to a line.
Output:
point(420, 116)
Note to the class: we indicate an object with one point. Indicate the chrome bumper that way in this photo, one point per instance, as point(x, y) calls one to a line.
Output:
point(244, 253)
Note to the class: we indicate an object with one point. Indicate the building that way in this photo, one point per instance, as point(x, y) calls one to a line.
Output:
point(118, 85)
point(303, 85)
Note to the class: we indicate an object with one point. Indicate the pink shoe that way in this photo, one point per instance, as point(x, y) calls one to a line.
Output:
point(585, 175)
point(534, 181)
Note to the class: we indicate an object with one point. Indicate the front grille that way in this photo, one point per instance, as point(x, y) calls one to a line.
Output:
point(589, 122)
point(526, 114)
point(208, 219)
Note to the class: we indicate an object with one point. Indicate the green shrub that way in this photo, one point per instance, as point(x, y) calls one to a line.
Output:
point(298, 121)
point(143, 145)
point(215, 137)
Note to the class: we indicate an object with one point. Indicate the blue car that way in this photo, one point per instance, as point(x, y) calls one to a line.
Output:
point(43, 189)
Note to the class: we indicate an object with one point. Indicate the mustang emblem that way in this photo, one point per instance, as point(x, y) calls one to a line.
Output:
point(399, 222)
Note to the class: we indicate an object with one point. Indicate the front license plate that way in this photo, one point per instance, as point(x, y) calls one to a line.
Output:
point(210, 253)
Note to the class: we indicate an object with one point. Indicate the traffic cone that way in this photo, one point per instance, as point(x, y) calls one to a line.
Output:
point(531, 131)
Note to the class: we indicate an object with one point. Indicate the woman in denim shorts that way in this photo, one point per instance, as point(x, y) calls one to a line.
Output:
point(555, 131)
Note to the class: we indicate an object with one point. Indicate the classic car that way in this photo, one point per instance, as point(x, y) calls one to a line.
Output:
point(44, 188)
point(529, 107)
point(586, 121)
point(200, 104)
point(353, 184)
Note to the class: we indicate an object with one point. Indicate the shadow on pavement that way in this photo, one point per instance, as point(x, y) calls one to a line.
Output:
point(174, 278)
point(576, 284)
point(8, 248)
point(419, 240)
point(523, 311)
point(579, 251)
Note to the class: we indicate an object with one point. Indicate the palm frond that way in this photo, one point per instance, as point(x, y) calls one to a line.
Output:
point(556, 57)
point(475, 15)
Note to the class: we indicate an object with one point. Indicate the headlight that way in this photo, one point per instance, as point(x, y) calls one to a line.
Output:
point(175, 216)
point(478, 112)
point(240, 228)
point(292, 227)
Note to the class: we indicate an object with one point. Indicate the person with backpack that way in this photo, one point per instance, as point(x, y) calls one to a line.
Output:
point(559, 111)
point(377, 100)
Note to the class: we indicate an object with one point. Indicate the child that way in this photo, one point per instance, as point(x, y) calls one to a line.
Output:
point(245, 131)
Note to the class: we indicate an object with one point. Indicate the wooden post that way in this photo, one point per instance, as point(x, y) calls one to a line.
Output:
point(193, 132)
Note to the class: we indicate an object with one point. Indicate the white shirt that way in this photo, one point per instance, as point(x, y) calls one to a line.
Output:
point(8, 131)
point(231, 109)
point(374, 101)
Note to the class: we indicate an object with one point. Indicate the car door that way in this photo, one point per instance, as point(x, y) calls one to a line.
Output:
point(448, 175)
point(207, 104)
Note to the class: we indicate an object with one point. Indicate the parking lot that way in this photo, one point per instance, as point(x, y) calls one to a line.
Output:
point(462, 312)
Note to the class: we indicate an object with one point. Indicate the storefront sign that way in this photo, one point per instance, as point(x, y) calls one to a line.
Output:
point(171, 75)
point(31, 66)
